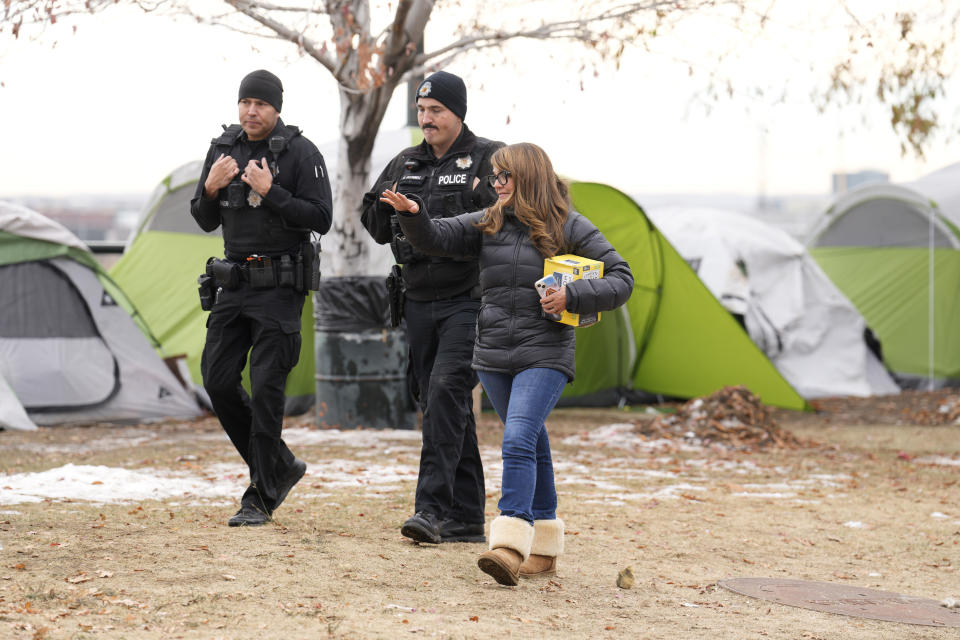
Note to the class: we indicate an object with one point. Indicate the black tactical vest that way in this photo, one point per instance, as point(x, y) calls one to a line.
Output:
point(446, 188)
point(249, 227)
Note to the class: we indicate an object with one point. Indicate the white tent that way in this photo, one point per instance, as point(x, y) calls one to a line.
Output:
point(12, 413)
point(790, 308)
point(943, 188)
point(70, 348)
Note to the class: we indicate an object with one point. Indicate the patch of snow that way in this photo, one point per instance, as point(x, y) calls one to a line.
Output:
point(613, 502)
point(776, 486)
point(830, 480)
point(590, 482)
point(854, 524)
point(672, 491)
point(941, 460)
point(622, 436)
point(938, 515)
point(360, 438)
point(746, 494)
point(741, 467)
point(102, 485)
point(121, 439)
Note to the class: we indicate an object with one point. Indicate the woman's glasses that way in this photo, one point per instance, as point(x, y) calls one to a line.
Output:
point(498, 178)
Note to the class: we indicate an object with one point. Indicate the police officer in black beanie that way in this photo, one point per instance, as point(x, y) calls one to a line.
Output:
point(446, 171)
point(266, 186)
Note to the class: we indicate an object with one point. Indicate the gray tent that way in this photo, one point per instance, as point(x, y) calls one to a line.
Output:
point(896, 255)
point(71, 349)
point(12, 413)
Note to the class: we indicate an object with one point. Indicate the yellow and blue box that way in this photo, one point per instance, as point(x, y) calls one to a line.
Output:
point(568, 268)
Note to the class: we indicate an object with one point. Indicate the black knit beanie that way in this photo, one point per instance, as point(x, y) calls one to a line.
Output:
point(262, 85)
point(447, 89)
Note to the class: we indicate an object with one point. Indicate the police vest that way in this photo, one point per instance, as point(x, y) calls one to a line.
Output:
point(248, 226)
point(447, 188)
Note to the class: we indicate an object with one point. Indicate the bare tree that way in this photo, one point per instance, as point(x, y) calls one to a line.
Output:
point(369, 51)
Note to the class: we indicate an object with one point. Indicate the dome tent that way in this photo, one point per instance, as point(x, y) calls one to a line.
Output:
point(790, 308)
point(72, 348)
point(942, 188)
point(896, 256)
point(672, 337)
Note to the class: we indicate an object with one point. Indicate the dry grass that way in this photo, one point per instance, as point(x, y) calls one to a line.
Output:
point(334, 565)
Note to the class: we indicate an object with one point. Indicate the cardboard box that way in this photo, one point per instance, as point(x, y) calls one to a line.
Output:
point(569, 268)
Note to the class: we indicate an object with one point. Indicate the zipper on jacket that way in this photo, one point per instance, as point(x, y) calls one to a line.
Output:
point(513, 293)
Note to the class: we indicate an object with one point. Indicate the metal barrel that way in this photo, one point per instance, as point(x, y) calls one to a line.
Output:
point(360, 361)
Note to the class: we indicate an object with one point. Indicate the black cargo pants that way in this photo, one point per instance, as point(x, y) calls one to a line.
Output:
point(441, 336)
point(266, 323)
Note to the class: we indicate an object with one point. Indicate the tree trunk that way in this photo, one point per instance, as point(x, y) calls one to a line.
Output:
point(351, 250)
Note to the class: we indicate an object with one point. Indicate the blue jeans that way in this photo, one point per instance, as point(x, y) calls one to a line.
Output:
point(523, 403)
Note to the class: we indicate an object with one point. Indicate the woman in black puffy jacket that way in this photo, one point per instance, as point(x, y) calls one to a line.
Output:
point(522, 358)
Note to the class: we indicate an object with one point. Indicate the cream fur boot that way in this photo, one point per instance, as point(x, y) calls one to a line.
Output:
point(546, 547)
point(510, 540)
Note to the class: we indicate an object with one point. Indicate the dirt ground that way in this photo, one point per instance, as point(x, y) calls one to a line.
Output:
point(871, 500)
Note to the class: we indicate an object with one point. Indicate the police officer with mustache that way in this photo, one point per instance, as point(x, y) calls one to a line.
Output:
point(441, 304)
point(266, 186)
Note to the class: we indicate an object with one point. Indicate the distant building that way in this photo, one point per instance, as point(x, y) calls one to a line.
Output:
point(846, 181)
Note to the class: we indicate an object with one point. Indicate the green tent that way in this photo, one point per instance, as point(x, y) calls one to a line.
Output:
point(897, 258)
point(672, 338)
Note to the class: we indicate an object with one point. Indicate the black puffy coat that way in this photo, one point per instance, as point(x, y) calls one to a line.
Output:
point(512, 334)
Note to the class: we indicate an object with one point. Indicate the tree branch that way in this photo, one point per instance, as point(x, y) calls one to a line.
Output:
point(578, 29)
point(320, 54)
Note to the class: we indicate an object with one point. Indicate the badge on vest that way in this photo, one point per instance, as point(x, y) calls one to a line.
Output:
point(254, 199)
point(464, 162)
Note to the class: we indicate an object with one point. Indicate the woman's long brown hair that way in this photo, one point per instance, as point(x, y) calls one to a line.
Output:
point(540, 199)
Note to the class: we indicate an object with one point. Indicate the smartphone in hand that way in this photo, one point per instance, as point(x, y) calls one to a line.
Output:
point(545, 286)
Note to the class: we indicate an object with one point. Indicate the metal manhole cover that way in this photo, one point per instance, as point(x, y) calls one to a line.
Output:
point(847, 600)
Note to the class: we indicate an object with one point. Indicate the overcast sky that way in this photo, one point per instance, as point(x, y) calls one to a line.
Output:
point(115, 107)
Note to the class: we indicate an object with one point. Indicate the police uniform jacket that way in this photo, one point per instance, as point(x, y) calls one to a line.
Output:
point(446, 186)
point(512, 333)
point(298, 202)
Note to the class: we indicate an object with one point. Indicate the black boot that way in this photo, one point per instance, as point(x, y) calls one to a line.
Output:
point(296, 471)
point(422, 527)
point(248, 516)
point(456, 531)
